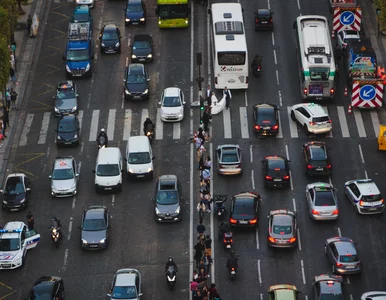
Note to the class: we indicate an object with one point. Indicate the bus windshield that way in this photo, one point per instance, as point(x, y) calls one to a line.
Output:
point(231, 58)
point(319, 73)
point(173, 11)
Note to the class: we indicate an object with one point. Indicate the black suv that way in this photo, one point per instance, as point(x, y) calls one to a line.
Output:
point(316, 159)
point(265, 119)
point(47, 288)
point(263, 19)
point(110, 38)
point(276, 171)
point(136, 82)
point(67, 132)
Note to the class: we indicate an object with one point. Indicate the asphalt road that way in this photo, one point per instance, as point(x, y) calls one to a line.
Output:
point(137, 241)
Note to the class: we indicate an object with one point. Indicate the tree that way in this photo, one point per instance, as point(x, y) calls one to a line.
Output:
point(5, 63)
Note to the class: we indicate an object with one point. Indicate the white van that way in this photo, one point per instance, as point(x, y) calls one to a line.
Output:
point(139, 157)
point(108, 170)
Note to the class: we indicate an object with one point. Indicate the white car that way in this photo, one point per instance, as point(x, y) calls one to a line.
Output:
point(365, 196)
point(345, 36)
point(172, 105)
point(311, 117)
point(15, 240)
point(64, 178)
point(374, 295)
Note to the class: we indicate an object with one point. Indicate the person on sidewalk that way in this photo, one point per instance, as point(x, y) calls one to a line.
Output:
point(200, 228)
point(206, 119)
point(30, 221)
point(228, 98)
point(13, 98)
point(29, 24)
point(1, 128)
point(12, 74)
point(5, 120)
point(8, 98)
point(200, 157)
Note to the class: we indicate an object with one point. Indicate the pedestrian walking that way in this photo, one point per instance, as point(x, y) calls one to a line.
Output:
point(30, 221)
point(200, 156)
point(201, 228)
point(193, 287)
point(208, 163)
point(206, 119)
point(5, 120)
point(1, 128)
point(208, 245)
point(29, 24)
point(213, 292)
point(12, 74)
point(205, 199)
point(228, 98)
point(208, 261)
point(199, 249)
point(195, 276)
point(208, 95)
point(8, 98)
point(13, 98)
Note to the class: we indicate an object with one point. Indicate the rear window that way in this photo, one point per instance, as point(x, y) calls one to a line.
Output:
point(320, 119)
point(372, 198)
point(276, 164)
point(318, 153)
point(266, 116)
point(282, 230)
point(324, 198)
point(348, 258)
point(263, 13)
point(243, 207)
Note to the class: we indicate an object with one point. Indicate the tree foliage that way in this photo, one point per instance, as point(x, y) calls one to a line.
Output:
point(381, 4)
point(4, 62)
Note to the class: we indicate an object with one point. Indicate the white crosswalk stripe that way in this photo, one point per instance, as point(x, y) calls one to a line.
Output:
point(44, 128)
point(292, 124)
point(244, 123)
point(26, 129)
point(359, 122)
point(375, 121)
point(127, 124)
point(159, 126)
point(176, 131)
point(343, 122)
point(227, 123)
point(111, 123)
point(94, 125)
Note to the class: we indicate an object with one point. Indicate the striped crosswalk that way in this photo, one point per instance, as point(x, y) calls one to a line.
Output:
point(234, 123)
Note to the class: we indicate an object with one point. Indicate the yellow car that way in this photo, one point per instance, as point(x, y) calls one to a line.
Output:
point(282, 292)
point(382, 137)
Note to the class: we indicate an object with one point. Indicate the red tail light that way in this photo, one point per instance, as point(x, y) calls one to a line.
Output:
point(254, 221)
point(272, 240)
point(312, 123)
point(275, 127)
point(286, 177)
point(335, 212)
point(292, 240)
point(268, 177)
point(332, 91)
point(270, 20)
point(328, 166)
point(309, 167)
point(339, 265)
point(329, 121)
point(305, 91)
point(257, 21)
point(315, 212)
point(257, 127)
point(232, 221)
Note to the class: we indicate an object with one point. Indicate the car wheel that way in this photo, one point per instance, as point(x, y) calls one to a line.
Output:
point(293, 116)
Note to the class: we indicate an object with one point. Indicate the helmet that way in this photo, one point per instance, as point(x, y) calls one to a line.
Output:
point(102, 130)
point(233, 253)
point(147, 119)
point(170, 259)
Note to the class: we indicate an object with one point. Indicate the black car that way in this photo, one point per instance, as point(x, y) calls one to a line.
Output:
point(244, 209)
point(316, 159)
point(136, 82)
point(263, 19)
point(47, 288)
point(94, 228)
point(67, 132)
point(142, 48)
point(276, 171)
point(110, 39)
point(135, 12)
point(16, 192)
point(265, 119)
point(66, 98)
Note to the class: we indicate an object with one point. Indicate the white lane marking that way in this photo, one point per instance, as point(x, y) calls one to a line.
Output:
point(26, 129)
point(73, 203)
point(122, 101)
point(299, 4)
point(80, 119)
point(339, 232)
point(261, 296)
point(293, 125)
point(244, 123)
point(361, 153)
point(280, 99)
point(299, 241)
point(44, 128)
point(65, 260)
point(277, 77)
point(375, 121)
point(330, 180)
point(287, 152)
point(127, 62)
point(81, 147)
point(294, 203)
point(176, 130)
point(273, 39)
point(251, 153)
point(325, 108)
point(227, 123)
point(253, 179)
point(351, 298)
point(111, 124)
point(113, 200)
point(291, 181)
point(303, 273)
point(257, 239)
point(280, 133)
point(69, 229)
point(359, 121)
point(127, 124)
point(259, 271)
point(159, 126)
point(79, 166)
point(94, 125)
point(144, 115)
point(269, 4)
point(348, 279)
point(274, 56)
point(343, 122)
point(367, 177)
point(305, 297)
point(246, 98)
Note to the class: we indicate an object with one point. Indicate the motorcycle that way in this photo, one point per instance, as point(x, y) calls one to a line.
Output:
point(256, 68)
point(219, 208)
point(55, 236)
point(171, 275)
point(232, 273)
point(227, 240)
point(102, 142)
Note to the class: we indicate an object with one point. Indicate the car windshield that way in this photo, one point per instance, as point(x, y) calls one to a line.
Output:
point(65, 94)
point(172, 102)
point(9, 244)
point(79, 18)
point(124, 292)
point(134, 8)
point(243, 207)
point(141, 45)
point(139, 158)
point(173, 11)
point(14, 186)
point(62, 174)
point(372, 198)
point(77, 55)
point(280, 229)
point(263, 13)
point(110, 35)
point(136, 78)
point(108, 170)
point(94, 224)
point(167, 197)
point(348, 258)
point(324, 198)
point(66, 127)
point(266, 116)
point(331, 297)
point(318, 153)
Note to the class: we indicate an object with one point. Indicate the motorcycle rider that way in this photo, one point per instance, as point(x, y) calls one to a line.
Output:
point(55, 223)
point(256, 62)
point(148, 125)
point(170, 263)
point(104, 134)
point(223, 228)
point(232, 261)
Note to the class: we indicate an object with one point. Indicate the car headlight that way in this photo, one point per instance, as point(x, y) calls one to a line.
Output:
point(157, 212)
point(131, 170)
point(127, 20)
point(149, 55)
point(84, 242)
point(5, 202)
point(149, 170)
point(68, 69)
point(178, 210)
point(22, 201)
point(117, 45)
point(74, 109)
point(102, 241)
point(127, 92)
point(103, 45)
point(58, 137)
point(146, 91)
point(56, 110)
point(186, 21)
point(133, 56)
point(75, 136)
point(142, 19)
point(87, 67)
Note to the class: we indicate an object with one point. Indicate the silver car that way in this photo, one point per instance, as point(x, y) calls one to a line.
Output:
point(374, 295)
point(127, 284)
point(322, 201)
point(64, 178)
point(229, 160)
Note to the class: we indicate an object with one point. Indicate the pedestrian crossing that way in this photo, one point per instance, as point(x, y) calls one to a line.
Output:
point(235, 123)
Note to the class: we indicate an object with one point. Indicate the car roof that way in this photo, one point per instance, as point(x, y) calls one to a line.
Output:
point(134, 1)
point(63, 162)
point(345, 248)
point(167, 179)
point(136, 68)
point(142, 37)
point(275, 157)
point(312, 108)
point(69, 84)
point(282, 219)
point(82, 9)
point(16, 225)
point(171, 91)
point(367, 187)
point(124, 279)
point(285, 294)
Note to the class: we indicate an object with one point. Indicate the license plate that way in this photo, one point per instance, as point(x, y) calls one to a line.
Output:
point(243, 222)
point(139, 176)
point(67, 143)
point(14, 209)
point(373, 208)
point(93, 246)
point(233, 272)
point(319, 169)
point(108, 188)
point(266, 128)
point(264, 22)
point(228, 246)
point(281, 241)
point(350, 267)
point(168, 218)
point(277, 180)
point(142, 59)
point(6, 265)
point(137, 97)
point(77, 75)
point(135, 23)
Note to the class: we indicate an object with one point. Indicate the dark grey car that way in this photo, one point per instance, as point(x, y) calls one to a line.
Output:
point(66, 98)
point(95, 225)
point(167, 201)
point(328, 286)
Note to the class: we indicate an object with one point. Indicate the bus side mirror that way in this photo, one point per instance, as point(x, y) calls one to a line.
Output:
point(209, 11)
point(294, 26)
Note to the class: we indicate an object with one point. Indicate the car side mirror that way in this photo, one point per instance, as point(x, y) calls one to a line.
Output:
point(131, 46)
point(121, 170)
point(50, 176)
point(183, 102)
point(77, 175)
point(120, 36)
point(108, 295)
point(124, 80)
point(153, 158)
point(140, 294)
point(93, 171)
point(77, 95)
point(148, 79)
point(27, 189)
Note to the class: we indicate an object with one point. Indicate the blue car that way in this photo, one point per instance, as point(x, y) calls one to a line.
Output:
point(135, 12)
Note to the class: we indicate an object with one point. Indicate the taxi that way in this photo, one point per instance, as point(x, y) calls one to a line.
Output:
point(64, 178)
point(15, 240)
point(382, 138)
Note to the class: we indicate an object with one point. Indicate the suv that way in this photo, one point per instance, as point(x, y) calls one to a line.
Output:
point(168, 197)
point(365, 196)
point(16, 192)
point(328, 286)
point(66, 98)
point(312, 117)
point(94, 228)
point(344, 36)
point(136, 82)
point(263, 19)
point(316, 159)
point(64, 179)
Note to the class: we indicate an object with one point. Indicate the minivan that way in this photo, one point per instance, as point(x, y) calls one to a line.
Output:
point(139, 157)
point(108, 170)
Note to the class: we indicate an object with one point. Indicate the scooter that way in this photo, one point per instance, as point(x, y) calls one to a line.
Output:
point(102, 142)
point(150, 135)
point(227, 240)
point(232, 273)
point(256, 71)
point(55, 236)
point(219, 208)
point(171, 277)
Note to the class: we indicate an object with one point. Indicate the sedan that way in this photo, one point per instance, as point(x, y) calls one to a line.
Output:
point(67, 132)
point(136, 82)
point(127, 284)
point(95, 225)
point(343, 256)
point(142, 48)
point(168, 199)
point(229, 160)
point(66, 98)
point(16, 192)
point(328, 286)
point(263, 19)
point(110, 39)
point(282, 292)
point(282, 229)
point(244, 209)
point(276, 171)
point(64, 179)
point(47, 287)
point(172, 105)
point(322, 201)
point(265, 119)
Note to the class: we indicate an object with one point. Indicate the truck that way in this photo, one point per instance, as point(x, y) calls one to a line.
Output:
point(173, 13)
point(342, 4)
point(361, 60)
point(79, 50)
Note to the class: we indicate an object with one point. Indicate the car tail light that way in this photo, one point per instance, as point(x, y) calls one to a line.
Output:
point(309, 166)
point(272, 240)
point(286, 177)
point(270, 20)
point(232, 221)
point(361, 203)
point(254, 221)
point(329, 121)
point(335, 212)
point(276, 127)
point(268, 177)
point(305, 91)
point(292, 240)
point(332, 91)
point(315, 212)
point(216, 80)
point(257, 21)
point(312, 123)
point(257, 127)
point(339, 265)
point(328, 166)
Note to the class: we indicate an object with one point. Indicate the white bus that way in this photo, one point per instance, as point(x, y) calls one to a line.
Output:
point(230, 55)
point(315, 58)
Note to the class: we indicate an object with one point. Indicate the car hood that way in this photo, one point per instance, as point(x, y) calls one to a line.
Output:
point(110, 43)
point(108, 180)
point(82, 64)
point(14, 198)
point(93, 237)
point(65, 103)
point(167, 209)
point(171, 110)
point(8, 255)
point(141, 52)
point(63, 184)
point(134, 16)
point(136, 87)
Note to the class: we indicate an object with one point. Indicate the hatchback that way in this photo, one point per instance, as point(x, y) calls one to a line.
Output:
point(327, 286)
point(322, 201)
point(282, 229)
point(135, 12)
point(47, 287)
point(244, 209)
point(64, 178)
point(110, 39)
point(263, 19)
point(16, 192)
point(94, 228)
point(229, 160)
point(172, 105)
point(276, 171)
point(67, 132)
